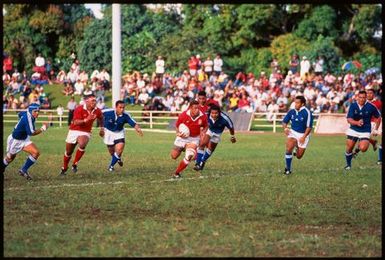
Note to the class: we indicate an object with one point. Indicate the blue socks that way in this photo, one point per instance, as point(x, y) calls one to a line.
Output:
point(206, 155)
point(28, 163)
point(114, 160)
point(380, 153)
point(349, 157)
point(288, 159)
point(200, 154)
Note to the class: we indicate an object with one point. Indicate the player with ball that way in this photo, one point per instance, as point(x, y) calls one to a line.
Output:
point(189, 126)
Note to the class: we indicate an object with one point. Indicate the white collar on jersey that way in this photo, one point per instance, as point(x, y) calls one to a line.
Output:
point(189, 114)
point(85, 108)
point(360, 107)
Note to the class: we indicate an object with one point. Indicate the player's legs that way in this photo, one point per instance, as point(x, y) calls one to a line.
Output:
point(175, 152)
point(82, 141)
point(291, 143)
point(363, 145)
point(189, 156)
point(117, 153)
point(111, 149)
point(7, 160)
point(67, 156)
point(203, 142)
point(379, 154)
point(208, 152)
point(350, 143)
point(300, 152)
point(31, 159)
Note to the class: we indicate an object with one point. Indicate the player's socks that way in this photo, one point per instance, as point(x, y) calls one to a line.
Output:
point(78, 155)
point(5, 163)
point(182, 165)
point(348, 157)
point(380, 153)
point(28, 163)
point(288, 159)
point(66, 160)
point(200, 155)
point(114, 159)
point(206, 155)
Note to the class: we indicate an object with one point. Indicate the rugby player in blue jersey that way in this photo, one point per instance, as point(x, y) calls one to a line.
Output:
point(217, 122)
point(114, 120)
point(298, 136)
point(19, 139)
point(359, 116)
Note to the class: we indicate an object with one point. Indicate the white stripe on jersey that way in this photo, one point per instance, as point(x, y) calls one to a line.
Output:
point(227, 119)
point(308, 118)
point(29, 118)
point(130, 116)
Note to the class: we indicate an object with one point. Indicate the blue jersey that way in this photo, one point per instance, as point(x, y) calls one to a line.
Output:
point(366, 112)
point(25, 127)
point(116, 123)
point(300, 120)
point(219, 125)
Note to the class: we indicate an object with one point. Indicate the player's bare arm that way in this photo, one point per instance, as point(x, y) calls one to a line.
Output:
point(138, 130)
point(41, 130)
point(232, 135)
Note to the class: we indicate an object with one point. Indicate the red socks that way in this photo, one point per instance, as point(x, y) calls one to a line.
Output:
point(182, 165)
point(79, 154)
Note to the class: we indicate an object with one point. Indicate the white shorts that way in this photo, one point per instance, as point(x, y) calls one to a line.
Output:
point(214, 137)
point(379, 131)
point(15, 146)
point(74, 134)
point(296, 135)
point(181, 142)
point(110, 137)
point(359, 135)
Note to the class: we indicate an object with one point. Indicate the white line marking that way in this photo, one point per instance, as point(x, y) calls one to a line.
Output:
point(332, 170)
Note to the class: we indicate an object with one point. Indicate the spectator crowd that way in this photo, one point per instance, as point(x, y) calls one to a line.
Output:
point(325, 91)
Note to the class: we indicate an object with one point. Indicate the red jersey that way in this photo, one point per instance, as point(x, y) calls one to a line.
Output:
point(378, 104)
point(204, 108)
point(81, 112)
point(195, 124)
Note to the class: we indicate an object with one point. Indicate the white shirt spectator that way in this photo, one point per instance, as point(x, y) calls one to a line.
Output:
point(159, 64)
point(104, 75)
point(72, 76)
point(208, 64)
point(218, 63)
point(305, 66)
point(95, 74)
point(79, 87)
point(36, 75)
point(143, 97)
point(271, 109)
point(319, 65)
point(39, 61)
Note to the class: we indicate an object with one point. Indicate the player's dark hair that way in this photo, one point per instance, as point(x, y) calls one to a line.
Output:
point(202, 93)
point(88, 96)
point(119, 102)
point(194, 102)
point(362, 92)
point(302, 99)
point(214, 107)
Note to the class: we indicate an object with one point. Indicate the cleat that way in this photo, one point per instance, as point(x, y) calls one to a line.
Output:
point(63, 171)
point(287, 172)
point(120, 163)
point(197, 167)
point(74, 168)
point(347, 168)
point(375, 145)
point(202, 165)
point(379, 162)
point(111, 169)
point(176, 176)
point(25, 175)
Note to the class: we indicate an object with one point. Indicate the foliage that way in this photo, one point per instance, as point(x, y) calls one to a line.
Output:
point(324, 46)
point(321, 22)
point(284, 46)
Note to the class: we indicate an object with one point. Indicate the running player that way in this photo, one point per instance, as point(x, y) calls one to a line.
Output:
point(217, 122)
point(196, 121)
point(114, 120)
point(19, 140)
point(298, 136)
point(359, 115)
point(80, 131)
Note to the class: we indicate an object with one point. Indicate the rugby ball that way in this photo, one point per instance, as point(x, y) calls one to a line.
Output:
point(184, 130)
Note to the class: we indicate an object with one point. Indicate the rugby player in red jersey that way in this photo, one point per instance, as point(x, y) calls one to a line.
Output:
point(80, 131)
point(197, 123)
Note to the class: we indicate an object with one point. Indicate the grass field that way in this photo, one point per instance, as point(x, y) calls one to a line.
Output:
point(241, 204)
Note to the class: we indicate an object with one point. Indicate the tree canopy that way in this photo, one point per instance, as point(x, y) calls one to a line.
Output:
point(248, 36)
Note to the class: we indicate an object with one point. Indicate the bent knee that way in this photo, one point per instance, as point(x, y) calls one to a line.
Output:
point(35, 154)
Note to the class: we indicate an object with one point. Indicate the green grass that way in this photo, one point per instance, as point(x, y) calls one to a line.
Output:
point(241, 206)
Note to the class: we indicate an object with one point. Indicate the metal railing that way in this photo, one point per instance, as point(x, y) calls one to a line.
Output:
point(150, 119)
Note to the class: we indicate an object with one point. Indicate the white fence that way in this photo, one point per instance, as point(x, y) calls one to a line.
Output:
point(149, 119)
